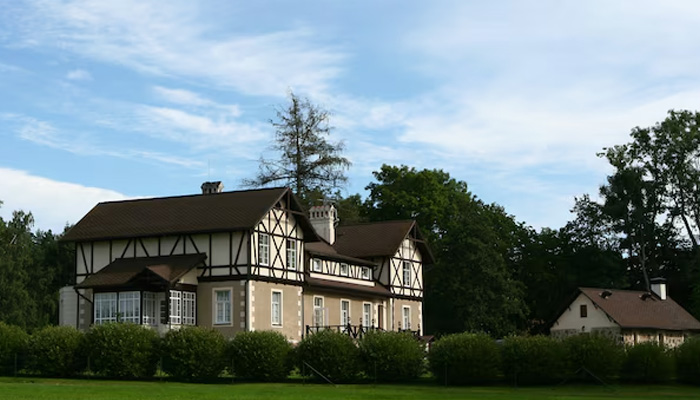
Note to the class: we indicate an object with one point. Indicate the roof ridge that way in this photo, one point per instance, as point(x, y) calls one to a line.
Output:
point(377, 222)
point(139, 199)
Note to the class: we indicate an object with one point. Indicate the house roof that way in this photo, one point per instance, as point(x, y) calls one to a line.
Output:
point(378, 239)
point(216, 212)
point(325, 250)
point(629, 310)
point(122, 271)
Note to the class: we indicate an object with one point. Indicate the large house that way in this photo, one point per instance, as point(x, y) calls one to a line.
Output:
point(243, 261)
point(630, 316)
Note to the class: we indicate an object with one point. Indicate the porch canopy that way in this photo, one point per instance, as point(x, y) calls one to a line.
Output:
point(143, 272)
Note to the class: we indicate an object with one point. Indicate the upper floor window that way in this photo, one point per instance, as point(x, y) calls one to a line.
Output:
point(406, 273)
point(292, 254)
point(264, 249)
point(317, 265)
point(366, 273)
point(276, 308)
point(344, 269)
point(222, 306)
point(584, 311)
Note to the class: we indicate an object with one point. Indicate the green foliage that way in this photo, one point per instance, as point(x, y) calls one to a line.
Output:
point(648, 363)
point(13, 343)
point(688, 361)
point(56, 351)
point(532, 360)
point(391, 356)
point(120, 350)
point(193, 352)
point(600, 355)
point(333, 354)
point(465, 358)
point(261, 356)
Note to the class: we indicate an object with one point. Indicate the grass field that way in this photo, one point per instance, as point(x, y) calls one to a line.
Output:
point(37, 388)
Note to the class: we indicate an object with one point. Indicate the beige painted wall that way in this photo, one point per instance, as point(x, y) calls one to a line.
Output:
point(416, 308)
point(261, 318)
point(331, 303)
point(571, 319)
point(206, 304)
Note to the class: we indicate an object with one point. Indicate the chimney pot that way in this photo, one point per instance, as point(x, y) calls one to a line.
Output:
point(212, 187)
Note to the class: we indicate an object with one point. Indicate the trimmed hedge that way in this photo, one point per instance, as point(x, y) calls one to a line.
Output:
point(122, 350)
point(13, 343)
point(648, 362)
point(465, 358)
point(391, 356)
point(55, 351)
point(533, 360)
point(688, 361)
point(261, 356)
point(331, 353)
point(193, 352)
point(598, 354)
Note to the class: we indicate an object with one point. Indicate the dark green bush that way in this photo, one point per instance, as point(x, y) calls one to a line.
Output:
point(120, 350)
point(648, 362)
point(391, 356)
point(333, 354)
point(55, 351)
point(193, 352)
point(465, 358)
point(688, 361)
point(261, 355)
point(13, 345)
point(595, 354)
point(532, 360)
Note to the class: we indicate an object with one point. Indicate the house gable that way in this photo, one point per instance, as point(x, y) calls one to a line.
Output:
point(572, 321)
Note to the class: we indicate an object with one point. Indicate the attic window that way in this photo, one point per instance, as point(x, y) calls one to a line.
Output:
point(584, 311)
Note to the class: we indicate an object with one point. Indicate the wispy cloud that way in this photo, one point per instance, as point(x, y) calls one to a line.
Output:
point(189, 98)
point(79, 75)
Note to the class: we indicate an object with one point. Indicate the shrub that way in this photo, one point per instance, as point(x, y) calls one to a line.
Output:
point(648, 363)
point(331, 353)
point(122, 350)
point(688, 361)
point(391, 356)
point(193, 352)
point(465, 358)
point(532, 360)
point(13, 343)
point(261, 355)
point(54, 351)
point(599, 355)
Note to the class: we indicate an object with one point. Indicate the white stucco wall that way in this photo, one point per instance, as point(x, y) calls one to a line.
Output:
point(571, 319)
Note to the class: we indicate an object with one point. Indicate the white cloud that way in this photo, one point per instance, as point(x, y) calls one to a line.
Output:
point(188, 98)
point(53, 203)
point(79, 75)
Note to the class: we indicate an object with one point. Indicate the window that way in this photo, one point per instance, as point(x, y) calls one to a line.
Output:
point(406, 273)
point(175, 307)
point(406, 320)
point(292, 254)
point(366, 315)
point(222, 306)
point(105, 307)
point(130, 307)
point(366, 273)
point(150, 313)
point(344, 269)
point(264, 249)
point(276, 308)
point(584, 311)
point(319, 319)
point(189, 308)
point(317, 265)
point(344, 312)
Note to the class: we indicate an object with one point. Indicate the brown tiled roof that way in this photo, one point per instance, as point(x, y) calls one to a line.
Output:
point(217, 212)
point(325, 250)
point(343, 287)
point(123, 270)
point(377, 239)
point(628, 310)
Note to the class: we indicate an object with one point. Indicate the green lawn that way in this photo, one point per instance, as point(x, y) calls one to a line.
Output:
point(37, 388)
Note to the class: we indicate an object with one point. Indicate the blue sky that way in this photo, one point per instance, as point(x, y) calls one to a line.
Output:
point(105, 100)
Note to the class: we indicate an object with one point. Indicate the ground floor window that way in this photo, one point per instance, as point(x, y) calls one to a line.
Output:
point(175, 307)
point(366, 315)
point(344, 312)
point(318, 311)
point(141, 307)
point(150, 311)
point(276, 308)
point(130, 307)
point(105, 305)
point(189, 308)
point(222, 306)
point(406, 320)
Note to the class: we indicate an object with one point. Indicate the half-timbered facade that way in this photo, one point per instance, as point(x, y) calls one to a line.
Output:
point(239, 261)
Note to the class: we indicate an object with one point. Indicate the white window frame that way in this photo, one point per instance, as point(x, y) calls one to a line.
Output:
point(129, 308)
point(264, 249)
point(344, 314)
point(406, 273)
point(105, 302)
point(276, 309)
point(344, 269)
point(317, 265)
point(150, 309)
point(189, 308)
point(367, 273)
point(406, 317)
point(175, 307)
point(319, 317)
point(227, 317)
point(292, 254)
point(367, 315)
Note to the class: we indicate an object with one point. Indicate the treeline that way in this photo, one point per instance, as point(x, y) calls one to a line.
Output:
point(122, 350)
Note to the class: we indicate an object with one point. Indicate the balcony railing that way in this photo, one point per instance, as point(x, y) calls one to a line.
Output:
point(354, 331)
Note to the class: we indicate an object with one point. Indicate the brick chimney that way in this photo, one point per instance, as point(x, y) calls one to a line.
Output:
point(323, 219)
point(658, 286)
point(212, 187)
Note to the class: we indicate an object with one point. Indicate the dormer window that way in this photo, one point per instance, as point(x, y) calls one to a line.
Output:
point(317, 267)
point(366, 273)
point(344, 269)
